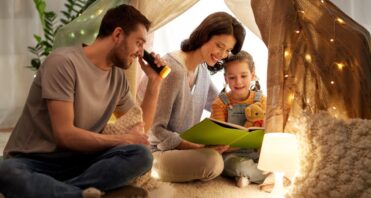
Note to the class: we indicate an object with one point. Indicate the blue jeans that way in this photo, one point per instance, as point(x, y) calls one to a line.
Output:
point(39, 175)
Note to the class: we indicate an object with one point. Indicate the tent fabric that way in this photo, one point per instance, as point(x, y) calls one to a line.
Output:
point(318, 59)
point(243, 11)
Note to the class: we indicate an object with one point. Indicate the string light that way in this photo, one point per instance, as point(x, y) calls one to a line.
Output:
point(82, 32)
point(287, 53)
point(339, 20)
point(340, 66)
point(308, 57)
point(322, 1)
point(332, 40)
point(286, 75)
point(297, 31)
point(332, 82)
point(72, 35)
point(100, 11)
point(290, 98)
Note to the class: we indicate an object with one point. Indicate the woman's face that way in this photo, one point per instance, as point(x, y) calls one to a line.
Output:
point(217, 48)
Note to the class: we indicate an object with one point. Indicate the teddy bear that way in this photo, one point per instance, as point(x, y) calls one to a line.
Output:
point(254, 115)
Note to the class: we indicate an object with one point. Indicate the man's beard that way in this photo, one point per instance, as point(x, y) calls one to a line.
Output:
point(120, 56)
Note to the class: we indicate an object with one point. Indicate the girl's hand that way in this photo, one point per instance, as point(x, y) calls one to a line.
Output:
point(220, 148)
point(184, 145)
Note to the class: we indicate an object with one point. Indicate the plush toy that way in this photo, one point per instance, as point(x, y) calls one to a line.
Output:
point(254, 115)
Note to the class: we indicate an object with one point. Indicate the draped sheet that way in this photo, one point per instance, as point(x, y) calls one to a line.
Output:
point(318, 59)
point(85, 27)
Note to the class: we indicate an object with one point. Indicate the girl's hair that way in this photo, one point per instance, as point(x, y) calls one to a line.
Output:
point(124, 16)
point(243, 56)
point(217, 23)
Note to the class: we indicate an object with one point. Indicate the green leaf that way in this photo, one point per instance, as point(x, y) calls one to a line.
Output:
point(37, 38)
point(35, 63)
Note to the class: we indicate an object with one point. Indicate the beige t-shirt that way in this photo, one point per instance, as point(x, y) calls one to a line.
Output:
point(68, 75)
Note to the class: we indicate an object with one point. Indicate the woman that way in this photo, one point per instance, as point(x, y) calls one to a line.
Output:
point(185, 93)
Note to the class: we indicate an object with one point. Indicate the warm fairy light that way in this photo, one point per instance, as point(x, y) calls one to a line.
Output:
point(287, 53)
point(92, 16)
point(339, 20)
point(322, 1)
point(332, 40)
point(72, 35)
point(291, 98)
point(334, 108)
point(286, 75)
point(308, 57)
point(82, 32)
point(340, 66)
point(297, 31)
point(100, 11)
point(332, 82)
point(302, 11)
point(154, 174)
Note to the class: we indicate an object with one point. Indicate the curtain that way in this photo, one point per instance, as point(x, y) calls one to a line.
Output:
point(18, 22)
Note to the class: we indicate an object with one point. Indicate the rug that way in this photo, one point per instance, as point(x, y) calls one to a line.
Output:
point(219, 187)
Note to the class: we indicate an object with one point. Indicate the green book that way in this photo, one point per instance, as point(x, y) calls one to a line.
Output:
point(214, 132)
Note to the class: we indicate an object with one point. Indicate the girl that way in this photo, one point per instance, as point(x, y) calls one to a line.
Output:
point(230, 107)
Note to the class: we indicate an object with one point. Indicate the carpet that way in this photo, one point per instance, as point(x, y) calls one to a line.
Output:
point(217, 188)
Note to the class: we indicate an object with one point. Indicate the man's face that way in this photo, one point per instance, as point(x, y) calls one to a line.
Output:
point(129, 47)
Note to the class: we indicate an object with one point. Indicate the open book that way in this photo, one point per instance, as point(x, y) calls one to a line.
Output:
point(214, 132)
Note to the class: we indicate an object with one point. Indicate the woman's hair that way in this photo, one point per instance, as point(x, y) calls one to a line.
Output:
point(217, 23)
point(243, 56)
point(124, 16)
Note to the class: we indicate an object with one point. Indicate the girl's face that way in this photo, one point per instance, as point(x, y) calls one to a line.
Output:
point(217, 48)
point(238, 76)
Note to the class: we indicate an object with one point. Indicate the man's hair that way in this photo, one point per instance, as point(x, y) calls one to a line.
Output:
point(124, 16)
point(217, 23)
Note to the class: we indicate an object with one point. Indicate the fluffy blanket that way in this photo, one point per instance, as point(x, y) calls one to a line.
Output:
point(335, 158)
point(123, 125)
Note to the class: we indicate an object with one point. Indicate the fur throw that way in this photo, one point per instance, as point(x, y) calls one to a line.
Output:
point(122, 126)
point(335, 158)
point(125, 122)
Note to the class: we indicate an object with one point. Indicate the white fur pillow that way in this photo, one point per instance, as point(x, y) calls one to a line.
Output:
point(336, 158)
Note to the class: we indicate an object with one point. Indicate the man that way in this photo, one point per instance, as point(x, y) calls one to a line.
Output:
point(56, 148)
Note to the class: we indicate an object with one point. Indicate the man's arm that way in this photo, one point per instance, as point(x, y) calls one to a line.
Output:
point(71, 137)
point(150, 98)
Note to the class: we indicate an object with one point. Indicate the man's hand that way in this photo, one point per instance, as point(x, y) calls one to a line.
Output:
point(152, 75)
point(136, 135)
